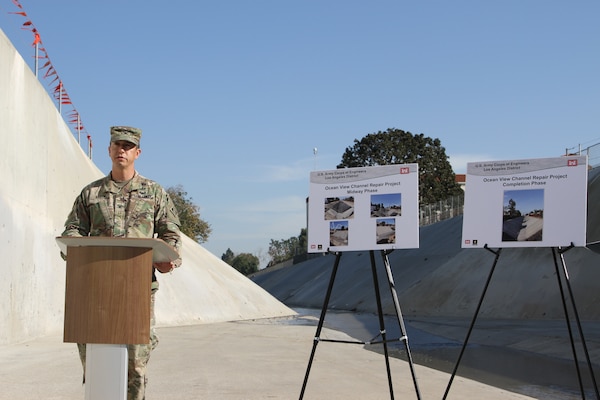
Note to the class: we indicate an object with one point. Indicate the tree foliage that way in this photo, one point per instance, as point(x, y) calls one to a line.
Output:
point(228, 256)
point(394, 146)
point(189, 215)
point(285, 249)
point(245, 263)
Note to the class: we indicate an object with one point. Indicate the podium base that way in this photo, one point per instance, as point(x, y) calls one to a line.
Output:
point(106, 372)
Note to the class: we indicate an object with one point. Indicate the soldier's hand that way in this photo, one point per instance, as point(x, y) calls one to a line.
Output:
point(164, 267)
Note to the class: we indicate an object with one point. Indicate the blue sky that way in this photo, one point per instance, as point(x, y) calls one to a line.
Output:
point(526, 201)
point(233, 96)
point(389, 199)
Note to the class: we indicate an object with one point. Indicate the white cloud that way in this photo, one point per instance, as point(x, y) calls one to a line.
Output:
point(285, 173)
point(277, 205)
point(459, 161)
point(298, 170)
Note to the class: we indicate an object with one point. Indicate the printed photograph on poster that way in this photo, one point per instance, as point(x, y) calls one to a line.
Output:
point(338, 233)
point(367, 208)
point(523, 215)
point(386, 230)
point(526, 203)
point(339, 207)
point(386, 205)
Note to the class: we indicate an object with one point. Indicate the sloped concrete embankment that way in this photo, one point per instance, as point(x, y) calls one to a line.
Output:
point(442, 279)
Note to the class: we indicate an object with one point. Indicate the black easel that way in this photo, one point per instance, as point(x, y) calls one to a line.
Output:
point(382, 331)
point(561, 251)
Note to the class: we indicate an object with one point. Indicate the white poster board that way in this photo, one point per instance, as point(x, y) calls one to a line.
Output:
point(366, 208)
point(526, 203)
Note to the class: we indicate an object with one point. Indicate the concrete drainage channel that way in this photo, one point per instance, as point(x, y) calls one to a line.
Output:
point(499, 363)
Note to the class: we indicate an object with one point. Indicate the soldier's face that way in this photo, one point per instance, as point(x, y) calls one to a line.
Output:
point(123, 153)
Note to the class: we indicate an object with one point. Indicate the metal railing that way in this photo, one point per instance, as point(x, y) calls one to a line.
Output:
point(443, 209)
point(593, 153)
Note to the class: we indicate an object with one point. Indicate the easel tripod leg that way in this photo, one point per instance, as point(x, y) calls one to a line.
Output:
point(577, 319)
point(381, 323)
point(321, 320)
point(464, 346)
point(396, 302)
point(566, 312)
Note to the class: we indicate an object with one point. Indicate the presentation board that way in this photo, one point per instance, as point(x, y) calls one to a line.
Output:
point(365, 208)
point(526, 203)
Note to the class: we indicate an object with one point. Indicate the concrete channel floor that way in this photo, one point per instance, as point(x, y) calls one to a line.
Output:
point(244, 360)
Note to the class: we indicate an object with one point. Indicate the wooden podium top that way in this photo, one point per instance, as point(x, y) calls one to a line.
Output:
point(161, 251)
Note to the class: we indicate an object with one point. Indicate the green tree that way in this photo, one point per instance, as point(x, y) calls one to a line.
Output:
point(302, 242)
point(245, 263)
point(228, 256)
point(394, 146)
point(189, 215)
point(285, 249)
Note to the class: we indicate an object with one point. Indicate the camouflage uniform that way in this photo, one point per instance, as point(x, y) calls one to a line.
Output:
point(139, 209)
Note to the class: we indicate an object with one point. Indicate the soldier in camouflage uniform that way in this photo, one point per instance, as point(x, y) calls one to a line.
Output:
point(125, 204)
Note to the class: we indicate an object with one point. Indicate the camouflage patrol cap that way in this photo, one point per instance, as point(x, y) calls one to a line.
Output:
point(127, 133)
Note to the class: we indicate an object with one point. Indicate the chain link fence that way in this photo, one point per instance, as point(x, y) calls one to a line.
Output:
point(593, 153)
point(444, 209)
